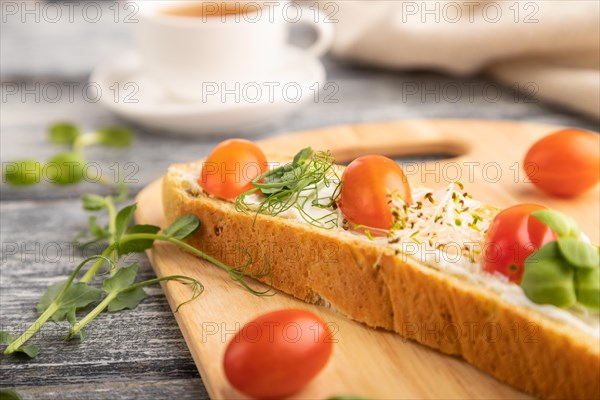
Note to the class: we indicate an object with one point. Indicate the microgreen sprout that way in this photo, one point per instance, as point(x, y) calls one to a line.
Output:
point(296, 184)
point(66, 167)
point(119, 291)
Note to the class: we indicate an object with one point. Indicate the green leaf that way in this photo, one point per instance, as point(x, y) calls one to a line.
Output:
point(123, 220)
point(139, 245)
point(286, 175)
point(561, 224)
point(63, 133)
point(273, 177)
point(183, 227)
point(78, 295)
point(291, 176)
point(22, 173)
point(72, 317)
point(548, 279)
point(65, 168)
point(28, 349)
point(92, 202)
point(123, 278)
point(114, 136)
point(82, 335)
point(578, 253)
point(49, 295)
point(303, 155)
point(128, 299)
point(122, 192)
point(96, 230)
point(587, 287)
point(9, 394)
point(549, 250)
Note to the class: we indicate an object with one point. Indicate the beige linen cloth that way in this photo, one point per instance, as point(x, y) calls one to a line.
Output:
point(554, 44)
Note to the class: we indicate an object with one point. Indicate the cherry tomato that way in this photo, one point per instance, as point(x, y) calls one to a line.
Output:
point(565, 163)
point(367, 184)
point(230, 168)
point(277, 354)
point(512, 236)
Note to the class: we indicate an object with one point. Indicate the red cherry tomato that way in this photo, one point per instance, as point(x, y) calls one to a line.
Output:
point(367, 182)
point(512, 236)
point(230, 168)
point(565, 163)
point(277, 354)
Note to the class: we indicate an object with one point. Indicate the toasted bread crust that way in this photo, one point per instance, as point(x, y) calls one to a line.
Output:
point(522, 348)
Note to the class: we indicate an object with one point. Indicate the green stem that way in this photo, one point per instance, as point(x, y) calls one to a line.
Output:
point(197, 291)
point(113, 295)
point(112, 228)
point(92, 314)
point(236, 274)
point(85, 140)
point(157, 280)
point(33, 329)
point(122, 192)
point(152, 236)
point(112, 217)
point(279, 185)
point(89, 275)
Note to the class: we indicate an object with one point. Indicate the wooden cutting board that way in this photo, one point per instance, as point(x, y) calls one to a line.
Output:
point(367, 362)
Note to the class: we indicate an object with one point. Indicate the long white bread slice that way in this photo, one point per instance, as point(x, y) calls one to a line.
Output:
point(524, 348)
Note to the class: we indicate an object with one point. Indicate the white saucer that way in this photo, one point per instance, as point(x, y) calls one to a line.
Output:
point(130, 93)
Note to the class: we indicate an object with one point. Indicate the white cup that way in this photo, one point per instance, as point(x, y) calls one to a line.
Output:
point(182, 53)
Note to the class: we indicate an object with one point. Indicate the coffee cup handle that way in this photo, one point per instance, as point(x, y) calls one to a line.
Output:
point(324, 32)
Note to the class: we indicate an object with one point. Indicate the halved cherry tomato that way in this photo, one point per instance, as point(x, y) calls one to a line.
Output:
point(277, 354)
point(367, 184)
point(230, 168)
point(565, 163)
point(512, 236)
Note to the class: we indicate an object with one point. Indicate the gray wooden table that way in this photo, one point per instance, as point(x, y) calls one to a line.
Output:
point(141, 353)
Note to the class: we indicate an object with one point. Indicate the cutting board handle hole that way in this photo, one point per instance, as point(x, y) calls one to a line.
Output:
point(424, 152)
point(411, 159)
point(423, 158)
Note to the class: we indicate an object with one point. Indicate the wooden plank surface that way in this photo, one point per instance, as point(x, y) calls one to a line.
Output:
point(366, 362)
